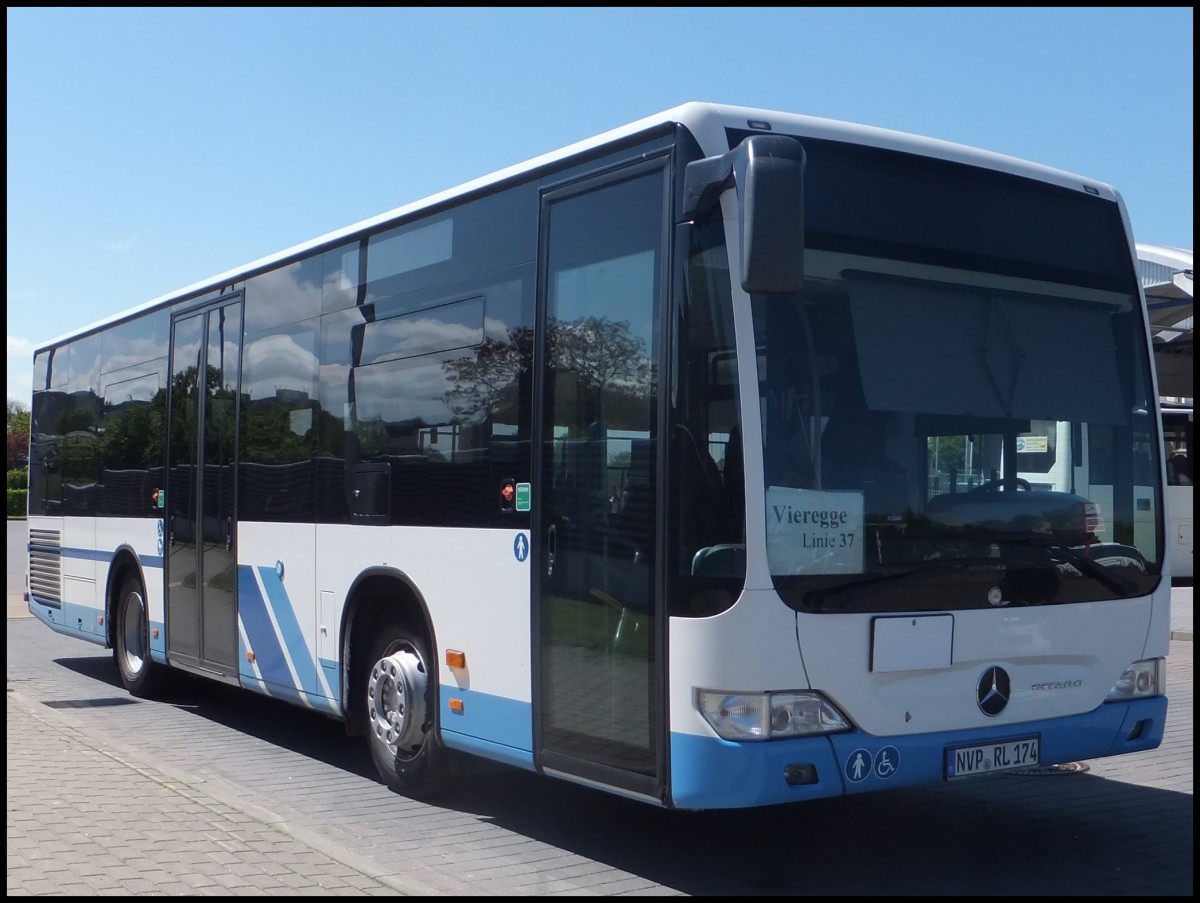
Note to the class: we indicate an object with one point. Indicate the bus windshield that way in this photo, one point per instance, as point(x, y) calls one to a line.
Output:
point(941, 438)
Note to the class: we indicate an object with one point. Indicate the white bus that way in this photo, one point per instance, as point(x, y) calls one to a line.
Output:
point(617, 466)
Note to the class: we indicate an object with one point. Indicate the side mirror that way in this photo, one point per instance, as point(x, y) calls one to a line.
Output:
point(767, 172)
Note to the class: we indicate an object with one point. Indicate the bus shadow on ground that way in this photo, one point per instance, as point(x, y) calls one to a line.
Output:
point(1006, 834)
point(306, 733)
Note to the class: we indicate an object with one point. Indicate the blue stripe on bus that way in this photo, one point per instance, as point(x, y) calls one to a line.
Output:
point(66, 618)
point(487, 718)
point(289, 694)
point(147, 561)
point(709, 773)
point(85, 554)
point(494, 752)
point(158, 642)
point(333, 677)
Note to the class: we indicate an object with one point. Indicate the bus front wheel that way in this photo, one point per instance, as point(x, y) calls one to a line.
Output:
point(401, 714)
point(131, 643)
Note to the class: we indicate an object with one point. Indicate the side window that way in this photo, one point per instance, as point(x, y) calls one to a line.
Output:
point(80, 429)
point(133, 392)
point(706, 473)
point(43, 438)
point(277, 469)
point(603, 288)
point(425, 382)
point(433, 427)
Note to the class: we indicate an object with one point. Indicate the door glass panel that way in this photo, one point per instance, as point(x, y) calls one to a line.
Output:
point(218, 566)
point(183, 596)
point(599, 677)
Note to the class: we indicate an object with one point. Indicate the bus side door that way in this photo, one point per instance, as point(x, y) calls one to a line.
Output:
point(201, 560)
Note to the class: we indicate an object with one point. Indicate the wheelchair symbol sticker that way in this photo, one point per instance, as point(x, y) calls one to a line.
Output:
point(887, 762)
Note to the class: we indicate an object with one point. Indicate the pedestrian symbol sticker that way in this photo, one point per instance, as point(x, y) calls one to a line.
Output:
point(858, 766)
point(521, 547)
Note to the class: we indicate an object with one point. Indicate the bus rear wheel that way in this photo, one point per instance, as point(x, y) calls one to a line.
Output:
point(401, 714)
point(141, 676)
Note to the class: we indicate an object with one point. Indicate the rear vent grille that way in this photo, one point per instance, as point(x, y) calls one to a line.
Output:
point(45, 565)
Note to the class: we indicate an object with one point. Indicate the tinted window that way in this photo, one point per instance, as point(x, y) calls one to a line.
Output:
point(277, 470)
point(424, 385)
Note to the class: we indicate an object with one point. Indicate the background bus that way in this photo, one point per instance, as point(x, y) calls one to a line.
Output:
point(1167, 279)
point(1062, 457)
point(1178, 429)
point(625, 466)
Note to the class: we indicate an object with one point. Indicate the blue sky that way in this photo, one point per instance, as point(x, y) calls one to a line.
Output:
point(149, 149)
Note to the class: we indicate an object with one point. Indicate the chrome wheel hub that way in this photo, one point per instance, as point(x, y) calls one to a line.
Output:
point(396, 700)
point(133, 634)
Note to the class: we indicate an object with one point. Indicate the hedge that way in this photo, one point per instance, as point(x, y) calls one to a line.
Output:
point(16, 502)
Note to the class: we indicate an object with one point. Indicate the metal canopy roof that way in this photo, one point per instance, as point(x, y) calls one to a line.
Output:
point(1166, 275)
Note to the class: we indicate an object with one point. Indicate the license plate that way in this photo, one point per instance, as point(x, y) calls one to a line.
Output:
point(988, 758)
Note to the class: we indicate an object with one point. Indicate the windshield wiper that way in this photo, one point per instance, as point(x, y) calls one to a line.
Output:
point(843, 594)
point(1075, 556)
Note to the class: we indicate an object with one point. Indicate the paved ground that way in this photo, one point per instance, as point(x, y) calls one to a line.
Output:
point(147, 833)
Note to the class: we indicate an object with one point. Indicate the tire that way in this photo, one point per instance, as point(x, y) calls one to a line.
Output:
point(401, 706)
point(141, 676)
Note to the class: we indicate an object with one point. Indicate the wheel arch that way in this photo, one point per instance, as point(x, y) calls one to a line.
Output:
point(377, 595)
point(124, 563)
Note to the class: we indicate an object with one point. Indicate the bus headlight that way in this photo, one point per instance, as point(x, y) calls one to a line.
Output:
point(769, 716)
point(1144, 678)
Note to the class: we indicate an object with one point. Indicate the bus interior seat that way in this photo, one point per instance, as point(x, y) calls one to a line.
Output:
point(734, 480)
point(1179, 470)
point(703, 515)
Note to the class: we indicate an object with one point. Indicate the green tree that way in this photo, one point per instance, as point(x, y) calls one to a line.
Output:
point(17, 441)
point(17, 435)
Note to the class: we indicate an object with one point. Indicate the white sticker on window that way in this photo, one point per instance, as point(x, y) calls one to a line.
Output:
point(812, 531)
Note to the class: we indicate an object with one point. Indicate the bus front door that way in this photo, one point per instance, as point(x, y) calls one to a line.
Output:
point(597, 628)
point(201, 561)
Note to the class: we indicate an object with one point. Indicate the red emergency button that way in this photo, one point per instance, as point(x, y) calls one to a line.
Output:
point(508, 495)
